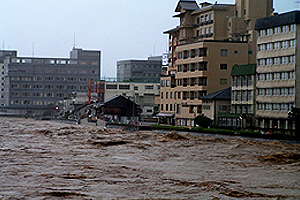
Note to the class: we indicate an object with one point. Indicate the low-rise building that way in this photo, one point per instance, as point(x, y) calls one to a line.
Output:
point(141, 93)
point(215, 104)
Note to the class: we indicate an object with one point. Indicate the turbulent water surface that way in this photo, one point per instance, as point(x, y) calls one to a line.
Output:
point(50, 160)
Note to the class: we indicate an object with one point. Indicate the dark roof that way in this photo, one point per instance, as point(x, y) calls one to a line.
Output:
point(174, 30)
point(278, 20)
point(187, 5)
point(220, 95)
point(243, 70)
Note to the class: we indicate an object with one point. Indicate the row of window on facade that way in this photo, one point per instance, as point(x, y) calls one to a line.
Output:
point(208, 18)
point(184, 95)
point(48, 78)
point(177, 108)
point(277, 60)
point(242, 95)
point(39, 94)
point(243, 81)
point(242, 108)
point(38, 86)
point(276, 76)
point(208, 31)
point(29, 102)
point(202, 66)
point(283, 107)
point(278, 30)
point(127, 87)
point(202, 52)
point(52, 61)
point(284, 91)
point(277, 45)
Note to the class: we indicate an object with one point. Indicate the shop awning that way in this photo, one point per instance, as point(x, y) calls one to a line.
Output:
point(165, 114)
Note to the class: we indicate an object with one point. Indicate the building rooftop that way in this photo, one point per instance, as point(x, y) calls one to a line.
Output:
point(187, 5)
point(243, 70)
point(219, 95)
point(278, 20)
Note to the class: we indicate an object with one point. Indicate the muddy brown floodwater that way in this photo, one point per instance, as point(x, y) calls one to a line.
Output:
point(51, 160)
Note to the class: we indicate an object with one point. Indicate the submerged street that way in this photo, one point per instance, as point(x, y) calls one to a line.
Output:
point(52, 160)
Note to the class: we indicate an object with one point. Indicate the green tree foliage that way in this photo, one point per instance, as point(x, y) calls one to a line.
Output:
point(203, 121)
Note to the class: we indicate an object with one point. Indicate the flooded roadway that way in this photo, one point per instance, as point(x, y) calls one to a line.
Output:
point(51, 160)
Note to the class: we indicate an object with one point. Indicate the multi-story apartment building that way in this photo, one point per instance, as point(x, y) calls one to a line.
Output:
point(210, 40)
point(140, 70)
point(278, 69)
point(31, 84)
point(141, 93)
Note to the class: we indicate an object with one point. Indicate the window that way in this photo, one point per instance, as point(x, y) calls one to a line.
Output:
point(269, 46)
point(211, 17)
point(161, 95)
point(124, 87)
point(136, 88)
point(178, 109)
point(268, 106)
point(284, 60)
point(283, 107)
point(291, 91)
point(275, 106)
point(276, 76)
point(276, 45)
point(291, 75)
point(224, 52)
point(111, 87)
point(284, 44)
point(269, 61)
point(283, 91)
point(261, 62)
point(269, 31)
point(276, 61)
point(223, 66)
point(162, 83)
point(260, 106)
point(276, 30)
point(275, 91)
point(262, 33)
point(223, 81)
point(180, 68)
point(149, 87)
point(292, 43)
point(292, 27)
point(284, 75)
point(261, 92)
point(268, 77)
point(167, 107)
point(161, 107)
point(205, 107)
point(261, 47)
point(284, 29)
point(292, 59)
point(167, 95)
point(268, 91)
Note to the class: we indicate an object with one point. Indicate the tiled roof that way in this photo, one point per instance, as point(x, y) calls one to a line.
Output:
point(220, 95)
point(243, 70)
point(278, 20)
point(187, 5)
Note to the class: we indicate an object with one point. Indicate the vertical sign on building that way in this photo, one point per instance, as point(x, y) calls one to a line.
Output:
point(165, 59)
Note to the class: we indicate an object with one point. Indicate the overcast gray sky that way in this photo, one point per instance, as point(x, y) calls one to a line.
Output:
point(120, 29)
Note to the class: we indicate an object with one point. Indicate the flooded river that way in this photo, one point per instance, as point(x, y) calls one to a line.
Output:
point(52, 160)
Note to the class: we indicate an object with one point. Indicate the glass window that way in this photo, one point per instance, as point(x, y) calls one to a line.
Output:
point(223, 66)
point(276, 30)
point(291, 75)
point(224, 52)
point(284, 29)
point(292, 27)
point(269, 31)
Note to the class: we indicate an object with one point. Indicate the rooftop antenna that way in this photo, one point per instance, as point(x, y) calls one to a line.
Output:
point(74, 42)
point(33, 49)
point(298, 2)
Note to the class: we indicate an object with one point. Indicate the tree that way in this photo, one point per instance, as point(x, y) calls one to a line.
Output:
point(203, 121)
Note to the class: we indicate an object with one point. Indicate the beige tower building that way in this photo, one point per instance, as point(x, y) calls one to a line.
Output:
point(278, 69)
point(210, 40)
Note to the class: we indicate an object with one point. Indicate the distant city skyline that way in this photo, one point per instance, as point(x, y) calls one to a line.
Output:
point(120, 29)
